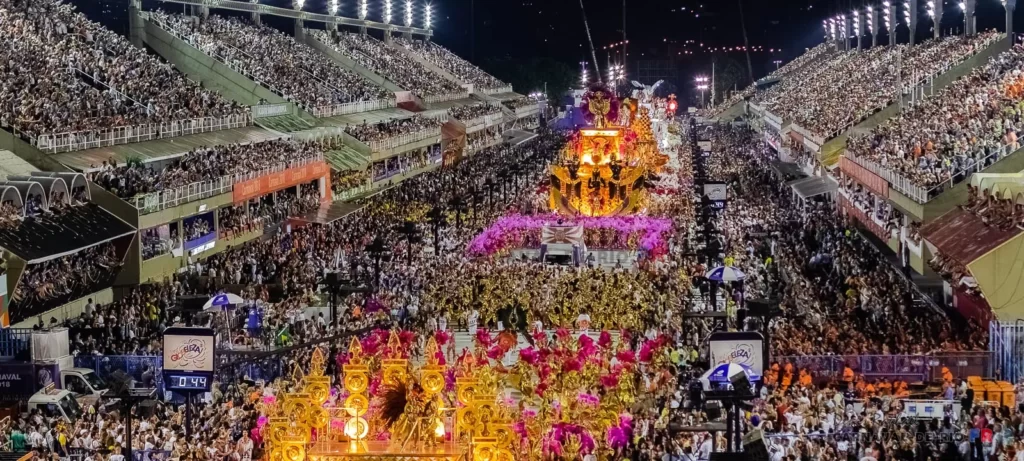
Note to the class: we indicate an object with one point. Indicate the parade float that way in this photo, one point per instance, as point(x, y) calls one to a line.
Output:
point(604, 168)
point(565, 396)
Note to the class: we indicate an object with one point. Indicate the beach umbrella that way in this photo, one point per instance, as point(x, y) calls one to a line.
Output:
point(725, 274)
point(719, 374)
point(223, 301)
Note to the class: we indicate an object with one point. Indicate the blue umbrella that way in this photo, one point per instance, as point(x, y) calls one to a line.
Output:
point(725, 274)
point(223, 301)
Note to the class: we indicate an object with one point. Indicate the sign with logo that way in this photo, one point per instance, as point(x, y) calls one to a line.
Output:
point(266, 184)
point(716, 191)
point(740, 347)
point(704, 145)
point(16, 381)
point(189, 349)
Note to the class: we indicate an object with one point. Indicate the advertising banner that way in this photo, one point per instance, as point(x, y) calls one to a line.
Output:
point(743, 348)
point(291, 177)
point(189, 349)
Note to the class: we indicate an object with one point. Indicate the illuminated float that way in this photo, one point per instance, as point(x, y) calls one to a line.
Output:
point(604, 168)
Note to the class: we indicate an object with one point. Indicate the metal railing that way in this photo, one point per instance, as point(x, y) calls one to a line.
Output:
point(498, 90)
point(927, 366)
point(347, 194)
point(527, 111)
point(89, 139)
point(270, 110)
point(382, 145)
point(169, 198)
point(434, 98)
point(14, 341)
point(922, 194)
point(353, 107)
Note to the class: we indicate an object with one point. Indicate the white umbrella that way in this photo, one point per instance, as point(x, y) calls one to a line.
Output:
point(223, 301)
point(725, 274)
point(719, 374)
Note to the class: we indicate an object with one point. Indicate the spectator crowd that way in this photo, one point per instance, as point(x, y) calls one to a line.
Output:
point(369, 132)
point(268, 56)
point(61, 72)
point(453, 64)
point(389, 62)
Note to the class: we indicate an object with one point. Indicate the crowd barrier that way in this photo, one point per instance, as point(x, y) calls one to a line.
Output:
point(79, 140)
point(498, 90)
point(169, 198)
point(926, 367)
point(353, 107)
point(80, 454)
point(270, 110)
point(382, 145)
point(922, 194)
point(435, 98)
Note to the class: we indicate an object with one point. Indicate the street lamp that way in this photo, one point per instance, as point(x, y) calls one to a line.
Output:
point(777, 62)
point(298, 4)
point(702, 86)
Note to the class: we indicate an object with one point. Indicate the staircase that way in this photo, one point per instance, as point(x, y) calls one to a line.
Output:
point(346, 158)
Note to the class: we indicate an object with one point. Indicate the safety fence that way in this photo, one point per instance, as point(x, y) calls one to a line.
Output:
point(270, 110)
point(169, 198)
point(15, 341)
point(435, 98)
point(922, 194)
point(90, 139)
point(353, 107)
point(381, 145)
point(924, 367)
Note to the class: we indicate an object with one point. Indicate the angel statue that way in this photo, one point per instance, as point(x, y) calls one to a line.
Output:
point(645, 93)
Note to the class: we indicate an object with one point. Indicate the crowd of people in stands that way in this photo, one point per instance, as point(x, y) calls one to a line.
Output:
point(198, 227)
point(342, 181)
point(837, 297)
point(67, 277)
point(199, 165)
point(102, 81)
point(797, 64)
point(466, 113)
point(450, 62)
point(843, 90)
point(268, 56)
point(389, 62)
point(369, 132)
point(967, 126)
point(520, 102)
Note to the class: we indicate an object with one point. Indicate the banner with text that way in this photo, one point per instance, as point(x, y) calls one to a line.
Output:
point(291, 177)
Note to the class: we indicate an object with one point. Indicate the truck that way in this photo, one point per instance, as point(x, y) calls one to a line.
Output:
point(48, 385)
point(57, 403)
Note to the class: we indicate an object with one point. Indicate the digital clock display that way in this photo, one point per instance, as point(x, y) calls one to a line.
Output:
point(188, 382)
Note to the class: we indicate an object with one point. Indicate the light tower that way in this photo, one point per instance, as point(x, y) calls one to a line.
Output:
point(910, 14)
point(428, 18)
point(1010, 6)
point(873, 26)
point(364, 9)
point(890, 20)
point(300, 25)
point(858, 31)
point(969, 7)
point(935, 13)
point(386, 19)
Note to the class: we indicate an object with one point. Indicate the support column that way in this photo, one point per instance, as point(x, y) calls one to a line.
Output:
point(847, 31)
point(136, 24)
point(937, 20)
point(256, 18)
point(876, 30)
point(1011, 5)
point(893, 21)
point(300, 31)
point(912, 7)
point(858, 28)
point(204, 12)
point(972, 27)
point(387, 36)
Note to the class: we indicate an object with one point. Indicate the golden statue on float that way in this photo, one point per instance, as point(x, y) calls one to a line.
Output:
point(603, 169)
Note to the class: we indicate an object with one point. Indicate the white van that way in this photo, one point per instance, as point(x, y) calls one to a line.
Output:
point(56, 403)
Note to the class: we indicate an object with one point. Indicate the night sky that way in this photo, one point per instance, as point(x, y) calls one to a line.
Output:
point(692, 32)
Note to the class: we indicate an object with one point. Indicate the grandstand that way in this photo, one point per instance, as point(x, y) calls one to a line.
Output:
point(217, 140)
point(925, 160)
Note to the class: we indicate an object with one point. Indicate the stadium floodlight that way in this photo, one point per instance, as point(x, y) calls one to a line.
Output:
point(387, 12)
point(871, 23)
point(963, 6)
point(333, 7)
point(408, 13)
point(363, 9)
point(931, 9)
point(428, 15)
point(298, 4)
